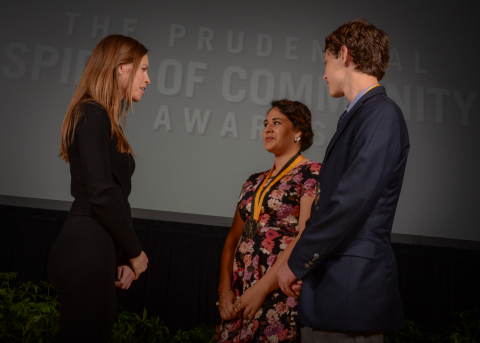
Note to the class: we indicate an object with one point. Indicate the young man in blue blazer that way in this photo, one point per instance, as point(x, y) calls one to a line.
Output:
point(344, 257)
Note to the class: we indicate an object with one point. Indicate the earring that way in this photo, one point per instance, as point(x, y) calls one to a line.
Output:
point(297, 139)
point(120, 72)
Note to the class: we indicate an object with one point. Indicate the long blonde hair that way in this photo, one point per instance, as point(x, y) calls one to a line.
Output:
point(99, 84)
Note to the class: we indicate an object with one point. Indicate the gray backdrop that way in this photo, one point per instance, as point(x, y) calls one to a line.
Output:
point(214, 67)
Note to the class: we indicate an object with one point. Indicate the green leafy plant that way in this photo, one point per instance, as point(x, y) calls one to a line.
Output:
point(29, 313)
point(131, 328)
point(465, 327)
point(412, 333)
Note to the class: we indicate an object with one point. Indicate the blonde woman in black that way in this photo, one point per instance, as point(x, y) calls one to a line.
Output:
point(82, 264)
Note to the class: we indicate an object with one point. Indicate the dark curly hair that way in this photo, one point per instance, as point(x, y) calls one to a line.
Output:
point(301, 118)
point(368, 46)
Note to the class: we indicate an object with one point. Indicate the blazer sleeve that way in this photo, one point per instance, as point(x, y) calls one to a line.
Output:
point(374, 153)
point(93, 137)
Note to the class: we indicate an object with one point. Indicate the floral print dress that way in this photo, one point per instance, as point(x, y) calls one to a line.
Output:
point(277, 319)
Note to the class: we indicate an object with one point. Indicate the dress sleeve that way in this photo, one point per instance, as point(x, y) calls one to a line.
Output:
point(310, 177)
point(93, 138)
point(245, 198)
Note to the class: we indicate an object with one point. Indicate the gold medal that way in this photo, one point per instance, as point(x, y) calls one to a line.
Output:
point(251, 227)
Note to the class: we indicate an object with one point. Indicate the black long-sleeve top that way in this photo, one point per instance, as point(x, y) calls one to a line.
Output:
point(101, 178)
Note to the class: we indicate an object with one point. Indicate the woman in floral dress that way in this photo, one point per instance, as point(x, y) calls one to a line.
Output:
point(252, 307)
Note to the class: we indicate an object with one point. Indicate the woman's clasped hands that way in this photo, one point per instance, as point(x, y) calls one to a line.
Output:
point(225, 305)
point(247, 305)
point(139, 264)
point(250, 301)
point(125, 277)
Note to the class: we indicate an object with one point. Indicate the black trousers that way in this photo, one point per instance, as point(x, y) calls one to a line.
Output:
point(82, 268)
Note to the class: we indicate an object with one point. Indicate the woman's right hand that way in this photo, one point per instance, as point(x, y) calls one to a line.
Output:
point(139, 264)
point(225, 306)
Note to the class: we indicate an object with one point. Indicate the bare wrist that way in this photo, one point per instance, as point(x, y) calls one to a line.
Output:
point(263, 288)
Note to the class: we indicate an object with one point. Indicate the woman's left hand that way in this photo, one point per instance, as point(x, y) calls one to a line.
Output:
point(250, 301)
point(125, 276)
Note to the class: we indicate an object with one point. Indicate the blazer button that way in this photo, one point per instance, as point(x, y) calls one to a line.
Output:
point(307, 266)
point(316, 256)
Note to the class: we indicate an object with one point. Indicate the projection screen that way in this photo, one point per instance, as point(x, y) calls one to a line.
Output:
point(214, 68)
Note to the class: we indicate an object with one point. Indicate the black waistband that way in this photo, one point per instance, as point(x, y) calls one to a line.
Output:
point(82, 208)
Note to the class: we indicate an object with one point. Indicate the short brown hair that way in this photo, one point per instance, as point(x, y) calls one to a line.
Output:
point(301, 118)
point(368, 46)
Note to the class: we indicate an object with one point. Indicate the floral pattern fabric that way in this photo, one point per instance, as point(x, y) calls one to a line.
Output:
point(277, 319)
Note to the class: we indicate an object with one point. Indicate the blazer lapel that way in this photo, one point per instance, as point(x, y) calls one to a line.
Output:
point(346, 119)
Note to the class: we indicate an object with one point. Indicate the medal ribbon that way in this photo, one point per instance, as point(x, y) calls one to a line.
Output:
point(371, 88)
point(257, 204)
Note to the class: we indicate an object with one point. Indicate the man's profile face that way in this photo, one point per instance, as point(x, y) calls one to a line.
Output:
point(334, 74)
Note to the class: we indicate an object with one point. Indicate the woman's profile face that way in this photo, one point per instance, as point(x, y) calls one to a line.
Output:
point(140, 79)
point(278, 134)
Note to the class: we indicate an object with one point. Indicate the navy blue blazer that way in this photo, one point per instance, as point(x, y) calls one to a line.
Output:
point(344, 255)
